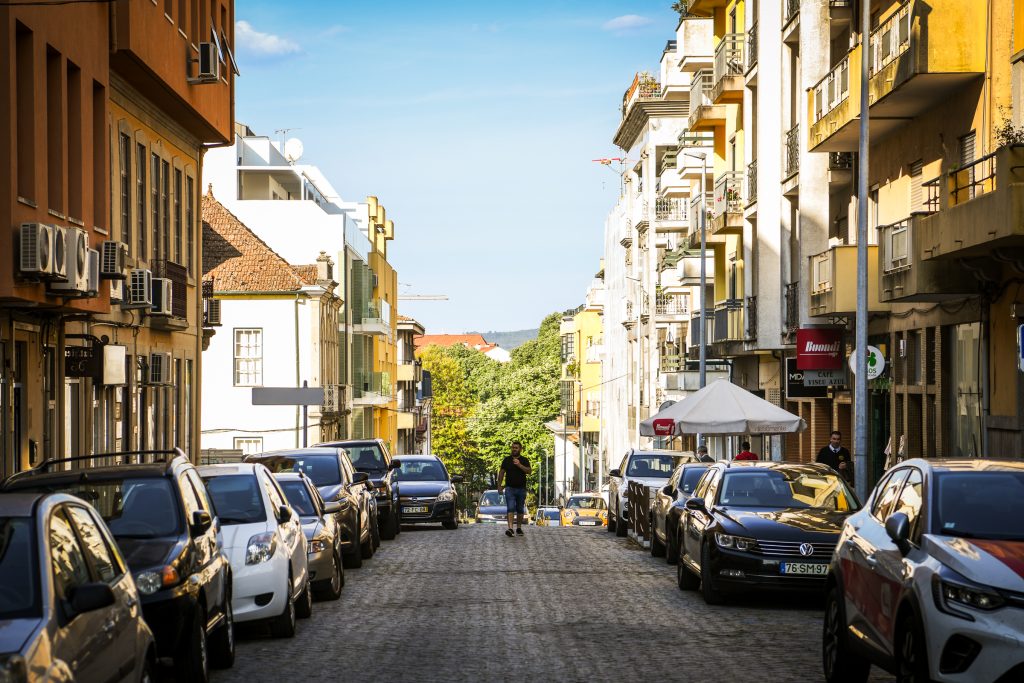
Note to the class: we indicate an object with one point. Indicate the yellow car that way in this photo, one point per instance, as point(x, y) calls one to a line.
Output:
point(585, 509)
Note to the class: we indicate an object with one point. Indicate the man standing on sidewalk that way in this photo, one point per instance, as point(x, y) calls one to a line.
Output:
point(836, 456)
point(512, 480)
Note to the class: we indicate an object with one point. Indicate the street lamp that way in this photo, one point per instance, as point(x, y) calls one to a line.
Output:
point(703, 266)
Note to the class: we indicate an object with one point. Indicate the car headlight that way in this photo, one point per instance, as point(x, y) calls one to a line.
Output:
point(318, 545)
point(735, 542)
point(446, 496)
point(949, 595)
point(12, 669)
point(149, 582)
point(260, 548)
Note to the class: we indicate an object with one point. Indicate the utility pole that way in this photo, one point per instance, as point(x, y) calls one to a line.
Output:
point(860, 388)
point(702, 326)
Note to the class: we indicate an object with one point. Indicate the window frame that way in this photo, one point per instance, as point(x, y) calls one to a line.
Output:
point(257, 373)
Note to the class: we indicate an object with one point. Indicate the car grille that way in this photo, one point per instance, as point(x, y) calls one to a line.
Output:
point(417, 501)
point(792, 549)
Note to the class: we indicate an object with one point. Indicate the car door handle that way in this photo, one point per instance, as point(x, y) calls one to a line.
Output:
point(130, 602)
point(871, 561)
point(108, 627)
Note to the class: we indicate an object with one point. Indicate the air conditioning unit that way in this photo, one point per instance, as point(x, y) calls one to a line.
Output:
point(160, 368)
point(77, 276)
point(113, 257)
point(60, 253)
point(162, 291)
point(93, 274)
point(211, 316)
point(209, 63)
point(35, 249)
point(139, 292)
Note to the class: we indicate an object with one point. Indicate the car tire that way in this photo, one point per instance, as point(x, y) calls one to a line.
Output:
point(657, 547)
point(685, 578)
point(389, 526)
point(610, 526)
point(451, 524)
point(193, 664)
point(672, 547)
point(366, 547)
point(331, 588)
point(304, 605)
point(222, 641)
point(839, 663)
point(375, 535)
point(911, 652)
point(711, 594)
point(148, 673)
point(283, 625)
point(621, 529)
point(353, 559)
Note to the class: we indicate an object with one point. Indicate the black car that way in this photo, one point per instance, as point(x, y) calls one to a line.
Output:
point(668, 508)
point(764, 525)
point(426, 491)
point(373, 457)
point(158, 511)
point(332, 473)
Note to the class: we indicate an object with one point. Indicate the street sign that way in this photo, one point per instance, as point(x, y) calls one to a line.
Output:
point(876, 362)
point(664, 426)
point(824, 378)
point(795, 387)
point(287, 396)
point(819, 348)
point(82, 361)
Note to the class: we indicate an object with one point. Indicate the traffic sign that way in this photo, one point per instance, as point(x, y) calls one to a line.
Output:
point(287, 396)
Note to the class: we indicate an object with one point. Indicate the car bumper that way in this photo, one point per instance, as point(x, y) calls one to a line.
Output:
point(260, 591)
point(436, 512)
point(999, 635)
point(586, 522)
point(168, 612)
point(738, 570)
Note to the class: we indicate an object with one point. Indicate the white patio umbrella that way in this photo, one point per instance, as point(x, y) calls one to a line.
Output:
point(722, 408)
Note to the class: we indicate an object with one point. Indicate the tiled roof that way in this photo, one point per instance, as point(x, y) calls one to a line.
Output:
point(239, 261)
point(472, 341)
point(308, 273)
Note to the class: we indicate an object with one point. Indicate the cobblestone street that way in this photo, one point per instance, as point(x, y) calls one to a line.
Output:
point(559, 604)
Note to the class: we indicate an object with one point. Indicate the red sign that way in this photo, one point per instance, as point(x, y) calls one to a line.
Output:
point(664, 426)
point(819, 348)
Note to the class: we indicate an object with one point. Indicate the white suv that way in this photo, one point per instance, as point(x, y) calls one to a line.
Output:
point(265, 545)
point(648, 467)
point(927, 580)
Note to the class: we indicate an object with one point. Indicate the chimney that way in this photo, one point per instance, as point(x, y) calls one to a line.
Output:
point(324, 268)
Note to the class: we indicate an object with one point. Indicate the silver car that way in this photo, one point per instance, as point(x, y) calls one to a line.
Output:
point(68, 604)
point(320, 526)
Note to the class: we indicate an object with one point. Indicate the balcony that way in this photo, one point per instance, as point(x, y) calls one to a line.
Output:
point(693, 229)
point(751, 317)
point(833, 277)
point(671, 214)
point(977, 208)
point(644, 98)
point(917, 57)
point(792, 322)
point(791, 152)
point(372, 389)
point(670, 358)
point(373, 317)
point(729, 69)
point(729, 325)
point(409, 372)
point(840, 168)
point(751, 53)
point(705, 115)
point(727, 214)
point(752, 182)
point(905, 276)
point(672, 307)
point(644, 88)
point(680, 268)
point(406, 420)
point(693, 348)
point(595, 353)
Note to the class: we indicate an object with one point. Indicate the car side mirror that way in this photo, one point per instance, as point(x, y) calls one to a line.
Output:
point(395, 464)
point(284, 514)
point(332, 508)
point(668, 490)
point(897, 526)
point(360, 477)
point(457, 479)
point(615, 473)
point(696, 504)
point(90, 597)
point(201, 522)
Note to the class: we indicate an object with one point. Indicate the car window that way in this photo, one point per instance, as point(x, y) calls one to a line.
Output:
point(701, 489)
point(201, 494)
point(986, 505)
point(652, 465)
point(188, 498)
point(323, 469)
point(421, 470)
point(691, 476)
point(67, 559)
point(492, 498)
point(298, 497)
point(18, 569)
point(367, 458)
point(910, 500)
point(586, 503)
point(792, 486)
point(236, 498)
point(277, 499)
point(887, 495)
point(95, 547)
point(716, 477)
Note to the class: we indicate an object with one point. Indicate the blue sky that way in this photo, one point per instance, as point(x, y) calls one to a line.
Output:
point(474, 123)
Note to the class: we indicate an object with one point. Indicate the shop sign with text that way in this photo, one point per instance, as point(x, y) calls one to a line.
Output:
point(819, 348)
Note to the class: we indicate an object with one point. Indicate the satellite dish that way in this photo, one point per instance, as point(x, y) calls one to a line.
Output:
point(293, 150)
point(666, 404)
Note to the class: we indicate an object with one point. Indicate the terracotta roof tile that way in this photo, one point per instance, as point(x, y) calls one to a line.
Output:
point(308, 273)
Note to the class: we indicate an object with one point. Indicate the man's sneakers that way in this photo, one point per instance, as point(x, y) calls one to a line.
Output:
point(519, 532)
point(508, 532)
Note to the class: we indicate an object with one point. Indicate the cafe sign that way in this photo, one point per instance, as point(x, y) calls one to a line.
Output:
point(819, 348)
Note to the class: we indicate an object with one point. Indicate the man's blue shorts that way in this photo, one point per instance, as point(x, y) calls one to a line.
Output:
point(515, 500)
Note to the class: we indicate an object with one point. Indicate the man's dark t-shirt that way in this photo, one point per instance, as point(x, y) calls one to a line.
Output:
point(514, 477)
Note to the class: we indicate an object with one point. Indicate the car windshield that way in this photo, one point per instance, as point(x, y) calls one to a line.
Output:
point(20, 595)
point(421, 470)
point(367, 458)
point(492, 498)
point(785, 488)
point(236, 498)
point(651, 465)
point(298, 497)
point(550, 514)
point(586, 503)
point(323, 470)
point(134, 507)
point(691, 475)
point(984, 505)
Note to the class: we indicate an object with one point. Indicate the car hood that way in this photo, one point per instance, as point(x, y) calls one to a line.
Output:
point(652, 482)
point(999, 564)
point(238, 535)
point(310, 526)
point(422, 488)
point(580, 512)
point(14, 633)
point(493, 510)
point(787, 524)
point(143, 553)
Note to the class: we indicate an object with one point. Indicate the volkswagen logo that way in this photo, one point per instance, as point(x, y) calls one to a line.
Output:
point(806, 549)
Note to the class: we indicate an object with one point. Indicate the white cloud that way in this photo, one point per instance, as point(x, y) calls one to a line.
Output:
point(262, 44)
point(335, 30)
point(626, 22)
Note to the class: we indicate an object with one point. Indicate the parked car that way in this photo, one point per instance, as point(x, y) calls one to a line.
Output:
point(165, 525)
point(373, 457)
point(426, 491)
point(263, 540)
point(548, 516)
point(668, 507)
point(764, 525)
point(319, 524)
point(585, 509)
point(68, 604)
point(491, 508)
point(647, 467)
point(330, 469)
point(928, 579)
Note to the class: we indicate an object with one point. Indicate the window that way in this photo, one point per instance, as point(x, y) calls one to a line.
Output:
point(124, 157)
point(66, 556)
point(249, 446)
point(25, 97)
point(177, 216)
point(887, 495)
point(248, 357)
point(165, 208)
point(54, 130)
point(910, 500)
point(96, 548)
point(190, 227)
point(154, 184)
point(140, 196)
point(916, 171)
point(273, 493)
point(73, 84)
point(188, 498)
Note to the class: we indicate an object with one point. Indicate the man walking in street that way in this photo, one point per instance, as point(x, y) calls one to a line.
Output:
point(836, 456)
point(745, 454)
point(512, 481)
point(702, 454)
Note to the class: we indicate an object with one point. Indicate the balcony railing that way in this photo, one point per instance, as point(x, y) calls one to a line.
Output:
point(895, 244)
point(644, 88)
point(373, 384)
point(689, 138)
point(890, 40)
point(729, 56)
point(933, 195)
point(792, 307)
point(973, 180)
point(670, 209)
point(840, 161)
point(671, 358)
point(752, 182)
point(790, 9)
point(729, 193)
point(700, 89)
point(729, 321)
point(791, 152)
point(832, 90)
point(671, 304)
point(751, 317)
point(752, 47)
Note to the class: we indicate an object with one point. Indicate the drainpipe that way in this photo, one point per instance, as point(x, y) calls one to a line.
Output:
point(985, 395)
point(298, 411)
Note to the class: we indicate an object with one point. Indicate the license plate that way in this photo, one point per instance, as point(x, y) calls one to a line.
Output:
point(812, 568)
point(415, 510)
point(587, 522)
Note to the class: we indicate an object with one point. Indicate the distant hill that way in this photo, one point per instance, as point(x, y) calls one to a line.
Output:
point(508, 340)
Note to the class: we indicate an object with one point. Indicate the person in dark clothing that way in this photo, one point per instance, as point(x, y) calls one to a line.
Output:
point(512, 481)
point(836, 456)
point(702, 454)
point(746, 453)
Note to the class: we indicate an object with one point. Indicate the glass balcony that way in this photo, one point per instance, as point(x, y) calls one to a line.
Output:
point(729, 69)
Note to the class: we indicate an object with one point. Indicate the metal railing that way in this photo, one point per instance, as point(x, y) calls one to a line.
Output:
point(729, 56)
point(728, 193)
point(792, 307)
point(752, 47)
point(790, 9)
point(672, 304)
point(689, 138)
point(840, 161)
point(729, 321)
point(791, 152)
point(751, 317)
point(821, 272)
point(644, 87)
point(933, 194)
point(895, 242)
point(973, 180)
point(752, 182)
point(833, 89)
point(890, 40)
point(700, 89)
point(670, 358)
point(670, 209)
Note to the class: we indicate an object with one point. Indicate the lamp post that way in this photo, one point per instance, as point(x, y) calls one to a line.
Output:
point(702, 326)
point(860, 388)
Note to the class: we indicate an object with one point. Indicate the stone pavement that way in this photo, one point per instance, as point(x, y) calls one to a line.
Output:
point(557, 605)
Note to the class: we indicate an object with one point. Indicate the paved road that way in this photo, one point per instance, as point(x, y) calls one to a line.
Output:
point(559, 604)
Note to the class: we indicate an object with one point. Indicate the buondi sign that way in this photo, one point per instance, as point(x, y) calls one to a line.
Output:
point(819, 348)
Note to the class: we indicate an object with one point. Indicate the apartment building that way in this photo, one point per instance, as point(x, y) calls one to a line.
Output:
point(107, 125)
point(413, 407)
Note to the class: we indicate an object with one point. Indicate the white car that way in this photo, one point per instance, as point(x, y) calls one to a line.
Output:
point(648, 467)
point(927, 580)
point(265, 545)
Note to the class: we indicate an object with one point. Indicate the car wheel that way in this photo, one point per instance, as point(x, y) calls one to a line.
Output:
point(353, 558)
point(366, 547)
point(222, 642)
point(610, 526)
point(331, 589)
point(712, 595)
point(451, 524)
point(193, 664)
point(304, 605)
point(911, 652)
point(621, 527)
point(685, 578)
point(839, 663)
point(148, 673)
point(375, 535)
point(672, 551)
point(657, 547)
point(283, 625)
point(389, 526)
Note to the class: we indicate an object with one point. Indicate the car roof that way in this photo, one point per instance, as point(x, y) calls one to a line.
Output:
point(770, 465)
point(37, 476)
point(418, 456)
point(19, 504)
point(224, 469)
point(290, 476)
point(293, 452)
point(967, 464)
point(660, 451)
point(351, 442)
